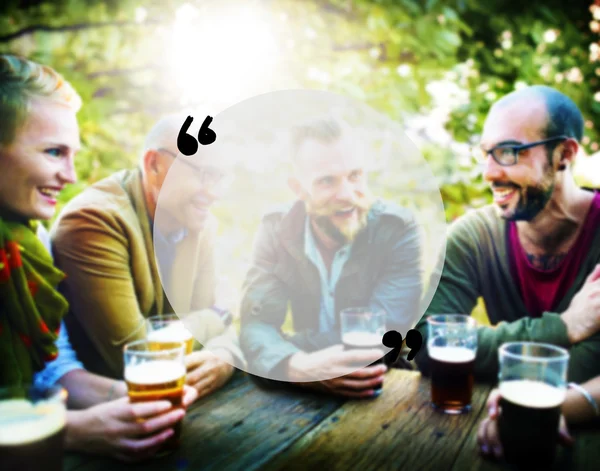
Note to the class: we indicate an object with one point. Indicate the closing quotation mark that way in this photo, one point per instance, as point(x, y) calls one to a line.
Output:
point(188, 145)
point(393, 339)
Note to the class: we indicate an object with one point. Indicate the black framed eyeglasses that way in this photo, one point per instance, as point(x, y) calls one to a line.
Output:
point(508, 154)
point(207, 175)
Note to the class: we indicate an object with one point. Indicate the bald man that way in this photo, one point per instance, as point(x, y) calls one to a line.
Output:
point(534, 254)
point(106, 239)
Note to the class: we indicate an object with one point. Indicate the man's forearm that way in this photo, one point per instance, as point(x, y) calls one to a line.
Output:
point(576, 407)
point(87, 389)
point(547, 329)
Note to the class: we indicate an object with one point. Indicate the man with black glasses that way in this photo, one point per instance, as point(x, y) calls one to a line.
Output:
point(534, 254)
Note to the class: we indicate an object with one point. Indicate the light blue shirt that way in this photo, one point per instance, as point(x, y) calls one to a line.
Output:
point(66, 360)
point(164, 250)
point(327, 318)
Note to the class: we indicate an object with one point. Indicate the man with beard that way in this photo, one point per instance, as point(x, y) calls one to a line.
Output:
point(123, 257)
point(336, 247)
point(534, 254)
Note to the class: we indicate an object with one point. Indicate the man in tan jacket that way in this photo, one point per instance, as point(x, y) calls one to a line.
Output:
point(106, 239)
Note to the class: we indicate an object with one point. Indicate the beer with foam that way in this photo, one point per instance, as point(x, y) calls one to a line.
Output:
point(533, 385)
point(165, 337)
point(32, 432)
point(155, 374)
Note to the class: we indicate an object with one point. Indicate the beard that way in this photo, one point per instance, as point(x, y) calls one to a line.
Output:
point(346, 232)
point(532, 198)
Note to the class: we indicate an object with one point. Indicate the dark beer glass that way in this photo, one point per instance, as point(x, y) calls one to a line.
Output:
point(363, 328)
point(32, 428)
point(533, 385)
point(155, 374)
point(451, 346)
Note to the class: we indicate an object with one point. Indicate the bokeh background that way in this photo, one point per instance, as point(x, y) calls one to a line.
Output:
point(433, 66)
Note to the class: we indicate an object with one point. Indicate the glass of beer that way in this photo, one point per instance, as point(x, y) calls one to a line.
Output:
point(533, 386)
point(363, 328)
point(168, 329)
point(156, 374)
point(32, 428)
point(452, 346)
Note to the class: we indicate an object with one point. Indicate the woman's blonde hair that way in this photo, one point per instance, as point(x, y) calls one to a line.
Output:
point(20, 81)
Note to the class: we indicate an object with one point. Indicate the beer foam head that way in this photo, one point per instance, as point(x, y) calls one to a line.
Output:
point(154, 372)
point(362, 339)
point(534, 394)
point(451, 354)
point(22, 422)
point(172, 332)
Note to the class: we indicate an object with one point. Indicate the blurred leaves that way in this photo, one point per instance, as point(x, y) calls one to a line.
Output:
point(384, 52)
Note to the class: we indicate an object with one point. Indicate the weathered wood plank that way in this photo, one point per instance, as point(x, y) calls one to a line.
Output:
point(239, 427)
point(399, 430)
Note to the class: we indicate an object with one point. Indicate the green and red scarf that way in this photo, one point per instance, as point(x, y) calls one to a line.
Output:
point(31, 308)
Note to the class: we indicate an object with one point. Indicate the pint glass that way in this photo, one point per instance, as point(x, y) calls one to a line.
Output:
point(32, 428)
point(154, 375)
point(168, 329)
point(533, 385)
point(363, 328)
point(452, 346)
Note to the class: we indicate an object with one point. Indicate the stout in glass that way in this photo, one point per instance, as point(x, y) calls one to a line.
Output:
point(531, 415)
point(32, 429)
point(532, 388)
point(451, 346)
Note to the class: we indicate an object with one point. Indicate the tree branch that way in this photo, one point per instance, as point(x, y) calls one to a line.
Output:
point(76, 27)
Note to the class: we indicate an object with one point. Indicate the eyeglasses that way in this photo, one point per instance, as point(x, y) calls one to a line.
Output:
point(211, 177)
point(507, 154)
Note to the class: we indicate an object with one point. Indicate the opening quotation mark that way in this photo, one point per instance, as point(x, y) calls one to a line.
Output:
point(393, 339)
point(188, 145)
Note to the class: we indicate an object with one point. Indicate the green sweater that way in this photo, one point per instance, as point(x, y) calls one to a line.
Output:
point(477, 264)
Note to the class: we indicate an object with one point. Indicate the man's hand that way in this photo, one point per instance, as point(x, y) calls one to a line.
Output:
point(582, 318)
point(126, 431)
point(207, 372)
point(488, 436)
point(339, 365)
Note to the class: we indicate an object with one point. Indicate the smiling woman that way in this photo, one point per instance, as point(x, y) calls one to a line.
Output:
point(39, 137)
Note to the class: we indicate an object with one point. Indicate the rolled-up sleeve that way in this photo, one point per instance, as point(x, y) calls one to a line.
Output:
point(65, 362)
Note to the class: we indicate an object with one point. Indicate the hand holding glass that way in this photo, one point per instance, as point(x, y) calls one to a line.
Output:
point(156, 374)
point(363, 328)
point(533, 386)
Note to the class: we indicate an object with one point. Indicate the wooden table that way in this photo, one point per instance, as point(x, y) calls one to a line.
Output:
point(245, 427)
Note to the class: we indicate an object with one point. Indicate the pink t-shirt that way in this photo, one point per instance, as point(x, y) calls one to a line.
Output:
point(542, 289)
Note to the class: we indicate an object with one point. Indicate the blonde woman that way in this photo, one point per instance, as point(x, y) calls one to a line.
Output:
point(39, 138)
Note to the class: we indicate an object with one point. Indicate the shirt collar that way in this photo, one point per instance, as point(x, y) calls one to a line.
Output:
point(310, 244)
point(172, 238)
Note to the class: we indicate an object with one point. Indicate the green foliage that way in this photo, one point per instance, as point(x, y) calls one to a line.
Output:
point(384, 52)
